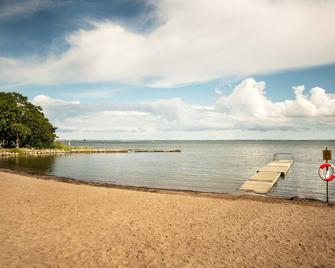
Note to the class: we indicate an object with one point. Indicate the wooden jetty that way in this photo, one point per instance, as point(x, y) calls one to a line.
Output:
point(266, 177)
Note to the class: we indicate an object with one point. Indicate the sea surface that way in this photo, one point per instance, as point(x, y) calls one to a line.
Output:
point(208, 166)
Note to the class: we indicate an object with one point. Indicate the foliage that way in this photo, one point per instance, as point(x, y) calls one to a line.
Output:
point(60, 146)
point(20, 132)
point(23, 124)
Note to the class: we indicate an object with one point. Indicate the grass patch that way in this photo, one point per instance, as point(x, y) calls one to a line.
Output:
point(60, 146)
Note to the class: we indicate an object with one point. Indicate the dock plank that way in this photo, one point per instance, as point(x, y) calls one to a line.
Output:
point(275, 164)
point(266, 177)
point(258, 187)
point(282, 167)
point(284, 161)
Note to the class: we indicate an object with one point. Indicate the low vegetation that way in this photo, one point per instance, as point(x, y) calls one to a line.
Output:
point(61, 146)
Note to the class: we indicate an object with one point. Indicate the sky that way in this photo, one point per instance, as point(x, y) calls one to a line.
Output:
point(169, 69)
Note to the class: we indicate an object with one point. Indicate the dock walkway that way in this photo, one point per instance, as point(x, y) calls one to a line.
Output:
point(267, 177)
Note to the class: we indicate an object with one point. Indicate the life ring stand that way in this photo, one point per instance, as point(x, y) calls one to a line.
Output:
point(329, 166)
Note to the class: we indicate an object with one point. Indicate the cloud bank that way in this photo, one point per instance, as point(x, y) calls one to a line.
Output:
point(195, 42)
point(246, 108)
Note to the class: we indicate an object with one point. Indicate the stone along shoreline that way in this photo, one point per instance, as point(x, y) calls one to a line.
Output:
point(26, 151)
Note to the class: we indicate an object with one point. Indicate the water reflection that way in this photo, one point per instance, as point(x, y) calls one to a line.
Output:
point(213, 166)
point(31, 164)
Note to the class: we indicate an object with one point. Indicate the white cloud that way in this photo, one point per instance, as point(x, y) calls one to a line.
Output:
point(8, 62)
point(315, 104)
point(197, 42)
point(246, 108)
point(14, 8)
point(249, 107)
point(218, 92)
point(165, 115)
point(43, 100)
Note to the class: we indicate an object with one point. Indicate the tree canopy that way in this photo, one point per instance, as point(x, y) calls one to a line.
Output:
point(23, 124)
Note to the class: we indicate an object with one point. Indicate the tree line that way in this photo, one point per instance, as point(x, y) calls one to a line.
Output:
point(23, 124)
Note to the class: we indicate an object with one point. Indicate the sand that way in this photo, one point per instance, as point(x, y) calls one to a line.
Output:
point(55, 224)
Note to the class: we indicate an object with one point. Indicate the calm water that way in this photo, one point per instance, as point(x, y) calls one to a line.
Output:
point(211, 166)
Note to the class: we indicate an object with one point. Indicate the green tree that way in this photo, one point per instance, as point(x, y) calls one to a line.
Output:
point(20, 132)
point(23, 124)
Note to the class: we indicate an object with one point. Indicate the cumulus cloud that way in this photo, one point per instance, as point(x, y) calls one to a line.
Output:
point(246, 108)
point(162, 115)
point(315, 104)
point(197, 42)
point(249, 107)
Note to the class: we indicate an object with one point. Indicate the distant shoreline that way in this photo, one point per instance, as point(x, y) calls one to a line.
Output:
point(28, 151)
point(181, 140)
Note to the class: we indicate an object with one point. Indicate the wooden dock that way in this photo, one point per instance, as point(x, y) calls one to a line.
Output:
point(267, 177)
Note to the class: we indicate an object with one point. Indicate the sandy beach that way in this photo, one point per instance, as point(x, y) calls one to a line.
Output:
point(56, 224)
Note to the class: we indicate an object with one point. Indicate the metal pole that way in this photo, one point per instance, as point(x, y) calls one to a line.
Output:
point(327, 181)
point(327, 192)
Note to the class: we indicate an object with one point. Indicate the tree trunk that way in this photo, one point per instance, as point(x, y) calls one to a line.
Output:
point(17, 142)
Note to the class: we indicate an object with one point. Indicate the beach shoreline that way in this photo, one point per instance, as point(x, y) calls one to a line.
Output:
point(44, 222)
point(228, 196)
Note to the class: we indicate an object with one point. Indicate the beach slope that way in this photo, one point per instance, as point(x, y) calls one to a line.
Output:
point(50, 223)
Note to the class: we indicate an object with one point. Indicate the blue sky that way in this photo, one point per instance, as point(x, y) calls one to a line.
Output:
point(187, 69)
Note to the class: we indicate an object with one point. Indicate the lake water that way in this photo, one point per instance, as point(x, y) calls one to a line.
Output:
point(209, 166)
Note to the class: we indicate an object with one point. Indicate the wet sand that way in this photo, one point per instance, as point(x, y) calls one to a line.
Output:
point(56, 224)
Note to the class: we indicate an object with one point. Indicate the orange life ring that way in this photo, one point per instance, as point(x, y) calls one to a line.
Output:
point(327, 177)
